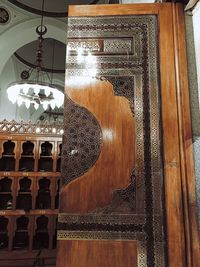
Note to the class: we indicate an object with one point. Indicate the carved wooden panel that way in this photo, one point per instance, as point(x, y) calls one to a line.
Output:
point(120, 71)
point(119, 195)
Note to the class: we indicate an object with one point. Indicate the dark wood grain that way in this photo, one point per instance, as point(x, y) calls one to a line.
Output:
point(97, 253)
point(26, 257)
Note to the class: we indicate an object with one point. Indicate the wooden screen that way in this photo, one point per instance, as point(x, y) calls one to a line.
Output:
point(121, 140)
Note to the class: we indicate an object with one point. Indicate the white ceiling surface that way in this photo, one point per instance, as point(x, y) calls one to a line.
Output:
point(53, 5)
point(23, 33)
point(20, 30)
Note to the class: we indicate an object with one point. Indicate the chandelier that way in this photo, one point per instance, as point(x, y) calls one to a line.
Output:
point(37, 92)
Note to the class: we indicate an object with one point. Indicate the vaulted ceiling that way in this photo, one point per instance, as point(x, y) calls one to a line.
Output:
point(56, 8)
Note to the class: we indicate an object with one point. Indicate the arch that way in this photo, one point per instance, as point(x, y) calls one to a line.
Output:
point(24, 33)
point(37, 11)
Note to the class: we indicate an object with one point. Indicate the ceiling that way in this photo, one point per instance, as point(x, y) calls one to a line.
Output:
point(52, 8)
point(24, 58)
point(53, 56)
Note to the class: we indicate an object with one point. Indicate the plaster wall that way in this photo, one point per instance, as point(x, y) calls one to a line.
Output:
point(193, 50)
point(196, 113)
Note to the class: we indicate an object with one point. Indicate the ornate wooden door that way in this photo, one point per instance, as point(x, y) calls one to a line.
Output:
point(121, 149)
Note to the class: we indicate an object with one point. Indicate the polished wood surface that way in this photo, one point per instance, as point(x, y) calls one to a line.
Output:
point(99, 253)
point(171, 155)
point(103, 10)
point(186, 144)
point(27, 258)
point(182, 234)
point(113, 168)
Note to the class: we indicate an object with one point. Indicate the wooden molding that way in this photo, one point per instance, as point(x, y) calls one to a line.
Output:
point(172, 172)
point(185, 137)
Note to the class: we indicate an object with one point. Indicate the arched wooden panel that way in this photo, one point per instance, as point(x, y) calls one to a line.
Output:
point(117, 149)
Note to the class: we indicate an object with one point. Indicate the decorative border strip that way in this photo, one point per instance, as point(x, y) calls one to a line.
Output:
point(131, 219)
point(97, 235)
point(22, 127)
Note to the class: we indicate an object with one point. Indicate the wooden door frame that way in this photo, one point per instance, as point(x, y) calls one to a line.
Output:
point(185, 139)
point(179, 181)
point(182, 227)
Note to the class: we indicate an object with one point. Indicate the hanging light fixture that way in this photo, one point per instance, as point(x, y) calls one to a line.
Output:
point(37, 91)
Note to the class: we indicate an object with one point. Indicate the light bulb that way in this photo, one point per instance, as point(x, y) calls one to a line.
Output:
point(13, 93)
point(45, 105)
point(36, 106)
point(37, 130)
point(59, 99)
point(27, 104)
point(47, 91)
point(30, 92)
point(52, 104)
point(19, 101)
point(36, 89)
point(25, 89)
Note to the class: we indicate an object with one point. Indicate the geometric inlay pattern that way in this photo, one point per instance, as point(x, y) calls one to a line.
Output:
point(136, 212)
point(81, 141)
